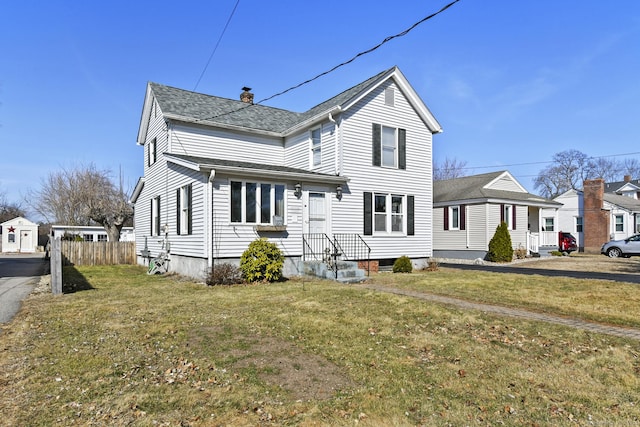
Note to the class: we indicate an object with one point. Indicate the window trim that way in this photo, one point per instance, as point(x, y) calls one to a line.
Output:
point(275, 189)
point(578, 223)
point(153, 152)
point(621, 223)
point(315, 148)
point(452, 224)
point(553, 223)
point(400, 148)
point(155, 216)
point(389, 215)
point(184, 209)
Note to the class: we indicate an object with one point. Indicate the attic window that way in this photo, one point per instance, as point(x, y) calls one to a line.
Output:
point(389, 97)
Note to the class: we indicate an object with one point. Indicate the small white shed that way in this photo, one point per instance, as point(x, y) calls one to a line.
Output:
point(19, 235)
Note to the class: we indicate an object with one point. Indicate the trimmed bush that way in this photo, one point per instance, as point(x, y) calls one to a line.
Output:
point(262, 261)
point(500, 248)
point(402, 265)
point(224, 274)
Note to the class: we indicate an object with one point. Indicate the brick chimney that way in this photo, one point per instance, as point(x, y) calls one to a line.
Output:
point(596, 220)
point(246, 96)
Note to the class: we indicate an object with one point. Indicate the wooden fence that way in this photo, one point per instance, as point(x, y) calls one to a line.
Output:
point(98, 253)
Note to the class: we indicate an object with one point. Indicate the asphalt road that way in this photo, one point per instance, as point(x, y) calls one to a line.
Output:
point(522, 269)
point(19, 273)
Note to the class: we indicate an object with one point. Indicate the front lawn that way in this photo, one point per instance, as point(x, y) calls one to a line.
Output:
point(132, 349)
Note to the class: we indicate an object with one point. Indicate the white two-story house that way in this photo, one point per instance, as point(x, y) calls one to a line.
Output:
point(352, 176)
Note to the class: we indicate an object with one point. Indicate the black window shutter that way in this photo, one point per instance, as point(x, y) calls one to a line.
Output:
point(189, 215)
point(178, 211)
point(376, 144)
point(368, 214)
point(445, 210)
point(513, 217)
point(501, 213)
point(410, 216)
point(463, 217)
point(402, 149)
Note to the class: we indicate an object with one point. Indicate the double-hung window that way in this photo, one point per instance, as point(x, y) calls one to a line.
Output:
point(316, 147)
point(548, 224)
point(578, 224)
point(155, 216)
point(389, 213)
point(152, 152)
point(454, 217)
point(389, 146)
point(183, 214)
point(102, 238)
point(257, 203)
point(619, 223)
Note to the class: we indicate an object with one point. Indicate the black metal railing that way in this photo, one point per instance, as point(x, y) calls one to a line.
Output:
point(348, 247)
point(353, 248)
point(320, 247)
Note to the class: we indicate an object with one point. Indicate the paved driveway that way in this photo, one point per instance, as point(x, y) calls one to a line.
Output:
point(19, 273)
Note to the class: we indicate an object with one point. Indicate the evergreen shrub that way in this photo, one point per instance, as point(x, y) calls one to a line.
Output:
point(500, 248)
point(402, 265)
point(262, 261)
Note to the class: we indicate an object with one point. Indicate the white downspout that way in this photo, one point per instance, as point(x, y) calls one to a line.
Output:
point(337, 144)
point(209, 213)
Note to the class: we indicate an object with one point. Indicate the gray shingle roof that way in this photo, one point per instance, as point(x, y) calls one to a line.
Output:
point(192, 106)
point(470, 188)
point(624, 202)
point(213, 163)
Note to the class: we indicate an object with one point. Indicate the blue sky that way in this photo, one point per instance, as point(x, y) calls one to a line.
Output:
point(511, 82)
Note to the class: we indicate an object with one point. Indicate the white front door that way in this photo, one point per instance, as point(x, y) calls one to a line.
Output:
point(26, 244)
point(317, 213)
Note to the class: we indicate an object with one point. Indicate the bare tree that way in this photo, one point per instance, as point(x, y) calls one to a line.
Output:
point(449, 169)
point(631, 167)
point(568, 170)
point(9, 210)
point(605, 168)
point(80, 196)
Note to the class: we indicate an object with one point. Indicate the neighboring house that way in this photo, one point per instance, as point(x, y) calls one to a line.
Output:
point(467, 211)
point(90, 233)
point(19, 235)
point(354, 170)
point(599, 213)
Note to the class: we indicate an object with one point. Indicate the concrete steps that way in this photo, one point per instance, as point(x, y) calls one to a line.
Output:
point(348, 271)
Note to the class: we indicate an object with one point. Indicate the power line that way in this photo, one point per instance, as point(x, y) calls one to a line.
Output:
point(324, 73)
point(386, 40)
point(217, 44)
point(547, 162)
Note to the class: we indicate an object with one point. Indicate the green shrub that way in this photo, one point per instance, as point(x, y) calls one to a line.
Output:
point(500, 248)
point(224, 274)
point(556, 253)
point(402, 265)
point(262, 261)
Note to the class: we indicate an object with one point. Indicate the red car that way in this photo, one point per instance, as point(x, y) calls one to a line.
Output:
point(566, 242)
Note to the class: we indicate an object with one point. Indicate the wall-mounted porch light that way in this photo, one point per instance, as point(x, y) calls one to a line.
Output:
point(339, 192)
point(297, 190)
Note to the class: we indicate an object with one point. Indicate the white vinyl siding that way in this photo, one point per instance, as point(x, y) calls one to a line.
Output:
point(415, 180)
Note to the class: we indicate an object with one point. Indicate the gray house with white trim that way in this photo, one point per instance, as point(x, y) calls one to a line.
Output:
point(353, 171)
point(467, 211)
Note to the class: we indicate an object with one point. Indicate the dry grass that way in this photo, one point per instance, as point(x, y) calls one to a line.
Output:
point(141, 350)
point(616, 303)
